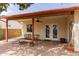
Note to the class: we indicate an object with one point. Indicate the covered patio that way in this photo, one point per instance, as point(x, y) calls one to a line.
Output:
point(66, 17)
point(44, 48)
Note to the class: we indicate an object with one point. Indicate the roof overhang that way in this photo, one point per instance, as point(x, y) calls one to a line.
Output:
point(42, 13)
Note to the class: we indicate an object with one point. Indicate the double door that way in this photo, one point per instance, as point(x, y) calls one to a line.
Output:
point(51, 31)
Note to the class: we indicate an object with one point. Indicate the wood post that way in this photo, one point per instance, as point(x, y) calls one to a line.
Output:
point(33, 31)
point(6, 31)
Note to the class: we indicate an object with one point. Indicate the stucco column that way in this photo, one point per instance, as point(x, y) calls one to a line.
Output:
point(76, 30)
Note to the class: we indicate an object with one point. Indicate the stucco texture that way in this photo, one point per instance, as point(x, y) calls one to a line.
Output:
point(61, 21)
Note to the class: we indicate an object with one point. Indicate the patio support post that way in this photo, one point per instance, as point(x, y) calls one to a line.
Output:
point(33, 31)
point(76, 30)
point(6, 31)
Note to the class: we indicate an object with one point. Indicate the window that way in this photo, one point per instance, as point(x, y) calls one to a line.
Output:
point(29, 28)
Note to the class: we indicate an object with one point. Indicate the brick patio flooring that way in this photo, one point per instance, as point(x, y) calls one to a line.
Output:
point(42, 48)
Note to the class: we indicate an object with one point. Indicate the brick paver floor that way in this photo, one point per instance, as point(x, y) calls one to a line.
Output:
point(42, 48)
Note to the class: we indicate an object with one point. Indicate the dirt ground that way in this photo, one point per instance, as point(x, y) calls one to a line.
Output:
point(41, 48)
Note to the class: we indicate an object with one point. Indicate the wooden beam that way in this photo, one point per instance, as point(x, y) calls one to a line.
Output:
point(6, 31)
point(33, 31)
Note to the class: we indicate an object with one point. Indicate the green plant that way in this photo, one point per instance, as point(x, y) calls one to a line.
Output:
point(22, 6)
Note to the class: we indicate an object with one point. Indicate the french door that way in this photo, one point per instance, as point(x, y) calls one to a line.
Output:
point(51, 32)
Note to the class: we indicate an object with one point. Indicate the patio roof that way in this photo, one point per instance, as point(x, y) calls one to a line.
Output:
point(68, 10)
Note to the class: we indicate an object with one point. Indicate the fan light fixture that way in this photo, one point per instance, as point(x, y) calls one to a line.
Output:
point(37, 20)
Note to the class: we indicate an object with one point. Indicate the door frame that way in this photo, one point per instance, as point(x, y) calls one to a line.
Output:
point(52, 32)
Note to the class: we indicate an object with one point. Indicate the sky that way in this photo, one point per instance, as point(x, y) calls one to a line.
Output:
point(13, 10)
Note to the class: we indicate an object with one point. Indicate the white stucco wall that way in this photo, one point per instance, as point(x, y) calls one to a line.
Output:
point(40, 27)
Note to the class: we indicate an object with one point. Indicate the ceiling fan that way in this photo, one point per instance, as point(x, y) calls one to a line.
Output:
point(37, 19)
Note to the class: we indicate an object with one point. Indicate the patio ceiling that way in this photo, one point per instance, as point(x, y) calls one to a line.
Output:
point(66, 11)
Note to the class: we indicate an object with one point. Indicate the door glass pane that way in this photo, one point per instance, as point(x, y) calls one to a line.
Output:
point(47, 31)
point(54, 31)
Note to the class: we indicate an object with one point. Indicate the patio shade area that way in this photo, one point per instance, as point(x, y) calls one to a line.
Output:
point(65, 11)
point(66, 18)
